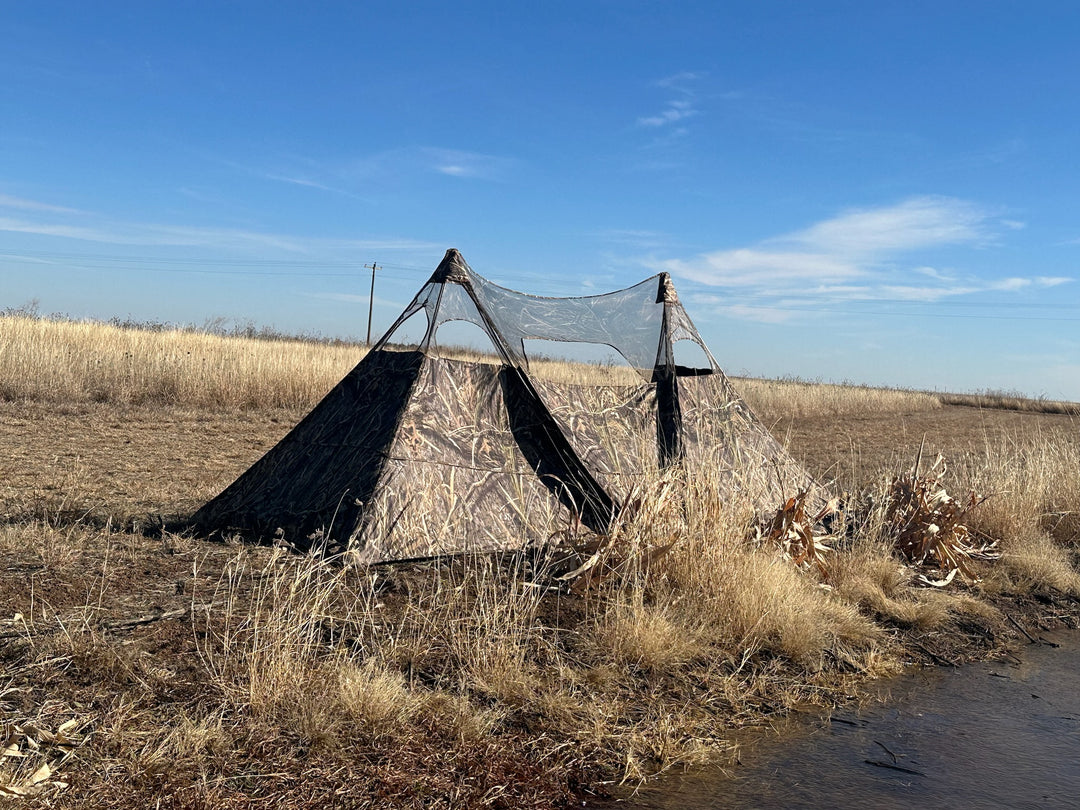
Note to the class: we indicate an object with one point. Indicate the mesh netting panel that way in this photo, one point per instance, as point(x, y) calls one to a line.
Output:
point(680, 327)
point(630, 320)
point(456, 305)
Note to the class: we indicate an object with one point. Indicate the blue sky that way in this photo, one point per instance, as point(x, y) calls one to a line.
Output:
point(875, 192)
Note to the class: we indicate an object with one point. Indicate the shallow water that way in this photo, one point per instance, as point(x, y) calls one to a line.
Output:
point(1000, 734)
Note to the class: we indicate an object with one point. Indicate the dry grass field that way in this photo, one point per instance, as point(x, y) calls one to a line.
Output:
point(141, 668)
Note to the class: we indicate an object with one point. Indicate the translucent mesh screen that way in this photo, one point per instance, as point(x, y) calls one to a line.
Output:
point(631, 321)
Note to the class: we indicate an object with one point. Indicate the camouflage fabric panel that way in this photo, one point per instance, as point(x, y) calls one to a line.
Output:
point(612, 428)
point(720, 430)
point(454, 480)
point(311, 480)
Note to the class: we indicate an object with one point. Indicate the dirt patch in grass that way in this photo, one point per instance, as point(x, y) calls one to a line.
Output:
point(125, 462)
point(860, 446)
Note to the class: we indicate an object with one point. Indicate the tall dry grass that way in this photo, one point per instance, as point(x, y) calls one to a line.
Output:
point(1011, 401)
point(70, 361)
point(65, 361)
point(773, 400)
point(458, 668)
point(1033, 509)
point(476, 647)
point(689, 625)
point(469, 679)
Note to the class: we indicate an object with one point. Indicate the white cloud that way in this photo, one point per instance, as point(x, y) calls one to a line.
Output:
point(909, 292)
point(1009, 284)
point(845, 247)
point(459, 163)
point(678, 108)
point(855, 256)
point(915, 223)
point(148, 234)
point(677, 80)
point(390, 167)
point(752, 267)
point(932, 272)
point(303, 181)
point(393, 164)
point(1051, 281)
point(669, 116)
point(635, 239)
point(7, 201)
point(761, 314)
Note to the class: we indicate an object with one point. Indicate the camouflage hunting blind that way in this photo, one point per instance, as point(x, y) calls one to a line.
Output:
point(416, 454)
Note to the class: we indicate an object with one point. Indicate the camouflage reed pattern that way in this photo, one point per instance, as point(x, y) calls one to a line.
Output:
point(416, 455)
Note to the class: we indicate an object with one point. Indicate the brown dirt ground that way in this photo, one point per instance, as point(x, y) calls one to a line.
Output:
point(861, 447)
point(125, 461)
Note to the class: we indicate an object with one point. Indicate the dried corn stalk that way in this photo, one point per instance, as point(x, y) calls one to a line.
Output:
point(928, 525)
point(797, 534)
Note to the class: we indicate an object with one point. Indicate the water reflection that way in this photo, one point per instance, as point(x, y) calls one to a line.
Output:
point(985, 735)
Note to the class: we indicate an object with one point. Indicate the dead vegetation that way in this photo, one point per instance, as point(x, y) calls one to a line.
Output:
point(929, 527)
point(1011, 401)
point(775, 400)
point(62, 361)
point(143, 668)
point(70, 361)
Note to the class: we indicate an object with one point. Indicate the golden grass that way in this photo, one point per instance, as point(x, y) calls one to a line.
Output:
point(287, 680)
point(998, 400)
point(73, 361)
point(70, 361)
point(773, 400)
point(1033, 510)
point(450, 671)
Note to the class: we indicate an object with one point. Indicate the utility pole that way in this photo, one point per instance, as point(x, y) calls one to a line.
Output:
point(371, 298)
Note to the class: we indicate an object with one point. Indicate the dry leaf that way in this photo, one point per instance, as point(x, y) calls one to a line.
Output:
point(40, 775)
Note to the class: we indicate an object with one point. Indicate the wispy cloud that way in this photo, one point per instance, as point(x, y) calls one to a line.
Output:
point(137, 234)
point(7, 201)
point(459, 163)
point(681, 103)
point(757, 267)
point(635, 239)
point(857, 255)
point(144, 234)
point(305, 182)
point(1052, 281)
point(915, 223)
point(357, 176)
point(677, 110)
point(845, 247)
